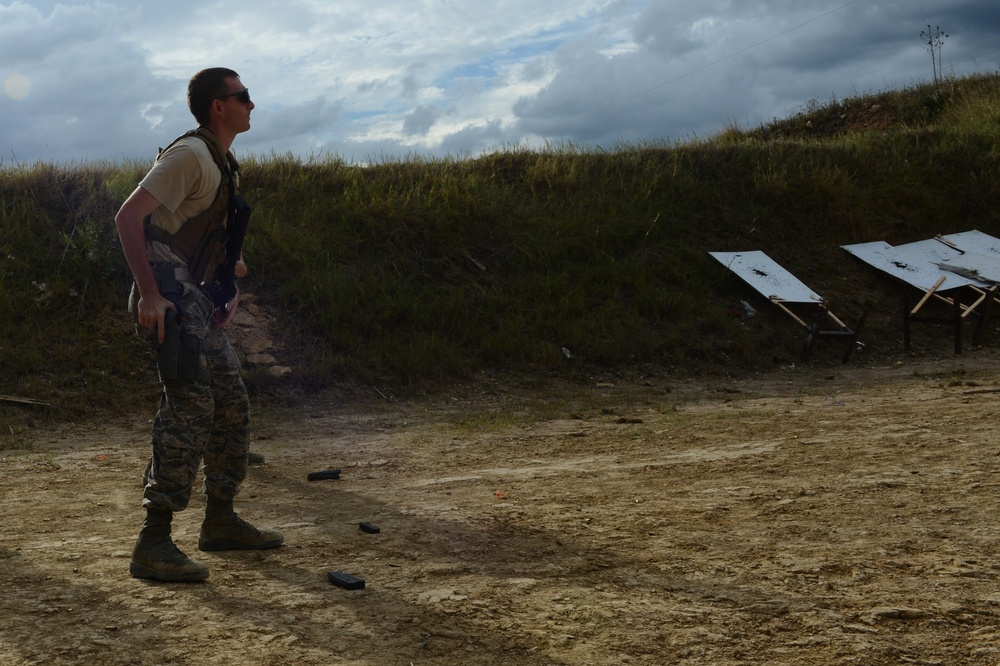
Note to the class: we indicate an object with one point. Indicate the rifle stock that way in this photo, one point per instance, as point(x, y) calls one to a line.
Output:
point(236, 231)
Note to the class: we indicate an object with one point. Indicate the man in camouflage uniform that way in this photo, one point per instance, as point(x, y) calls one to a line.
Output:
point(204, 413)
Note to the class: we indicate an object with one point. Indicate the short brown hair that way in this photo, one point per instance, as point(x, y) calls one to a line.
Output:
point(205, 87)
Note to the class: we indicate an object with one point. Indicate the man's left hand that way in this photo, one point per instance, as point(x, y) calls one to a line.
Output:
point(222, 316)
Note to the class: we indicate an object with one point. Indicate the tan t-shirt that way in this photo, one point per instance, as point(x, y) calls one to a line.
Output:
point(185, 180)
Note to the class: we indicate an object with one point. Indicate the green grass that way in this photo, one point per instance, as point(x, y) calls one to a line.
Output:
point(419, 273)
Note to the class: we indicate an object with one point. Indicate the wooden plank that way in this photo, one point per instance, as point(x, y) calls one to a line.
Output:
point(791, 314)
point(927, 295)
point(23, 401)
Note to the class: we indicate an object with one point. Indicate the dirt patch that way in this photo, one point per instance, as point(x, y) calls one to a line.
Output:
point(809, 517)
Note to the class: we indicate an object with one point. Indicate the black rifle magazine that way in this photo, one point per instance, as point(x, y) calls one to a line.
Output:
point(346, 580)
point(325, 474)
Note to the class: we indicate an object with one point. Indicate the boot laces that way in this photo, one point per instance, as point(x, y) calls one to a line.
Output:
point(243, 525)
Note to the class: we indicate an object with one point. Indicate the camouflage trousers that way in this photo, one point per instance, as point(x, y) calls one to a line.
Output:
point(201, 421)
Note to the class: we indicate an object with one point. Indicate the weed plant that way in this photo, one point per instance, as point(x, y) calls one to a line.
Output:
point(566, 261)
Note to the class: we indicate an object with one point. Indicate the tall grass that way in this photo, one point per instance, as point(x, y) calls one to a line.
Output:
point(415, 272)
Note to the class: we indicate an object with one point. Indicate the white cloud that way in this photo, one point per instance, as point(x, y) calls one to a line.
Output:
point(107, 80)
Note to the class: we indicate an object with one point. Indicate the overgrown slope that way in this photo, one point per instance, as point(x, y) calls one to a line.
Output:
point(415, 273)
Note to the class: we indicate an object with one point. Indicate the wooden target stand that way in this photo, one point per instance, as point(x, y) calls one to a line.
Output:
point(947, 280)
point(809, 310)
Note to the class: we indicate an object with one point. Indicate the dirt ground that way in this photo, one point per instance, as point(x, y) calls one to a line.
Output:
point(841, 515)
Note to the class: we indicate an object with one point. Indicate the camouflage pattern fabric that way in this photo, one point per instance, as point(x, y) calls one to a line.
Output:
point(198, 421)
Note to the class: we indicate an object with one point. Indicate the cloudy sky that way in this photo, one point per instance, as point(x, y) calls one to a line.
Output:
point(366, 81)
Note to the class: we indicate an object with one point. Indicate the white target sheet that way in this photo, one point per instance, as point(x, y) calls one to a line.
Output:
point(767, 276)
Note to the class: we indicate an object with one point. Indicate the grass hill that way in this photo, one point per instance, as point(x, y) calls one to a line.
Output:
point(414, 274)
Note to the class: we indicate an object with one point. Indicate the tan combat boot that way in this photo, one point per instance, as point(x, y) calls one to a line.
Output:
point(224, 530)
point(156, 557)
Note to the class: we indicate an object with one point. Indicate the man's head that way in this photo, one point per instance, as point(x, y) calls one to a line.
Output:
point(205, 87)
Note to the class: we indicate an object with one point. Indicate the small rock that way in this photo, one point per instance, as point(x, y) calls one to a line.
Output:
point(438, 596)
point(254, 344)
point(898, 614)
point(243, 318)
point(261, 359)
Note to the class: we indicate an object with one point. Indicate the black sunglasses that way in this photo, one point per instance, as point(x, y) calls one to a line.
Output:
point(243, 96)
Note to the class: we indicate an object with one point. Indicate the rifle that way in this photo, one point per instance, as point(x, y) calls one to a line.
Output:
point(224, 289)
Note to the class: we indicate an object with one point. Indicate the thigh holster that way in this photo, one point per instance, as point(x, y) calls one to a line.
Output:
point(179, 356)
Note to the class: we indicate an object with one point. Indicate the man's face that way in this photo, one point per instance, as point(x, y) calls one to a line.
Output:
point(236, 111)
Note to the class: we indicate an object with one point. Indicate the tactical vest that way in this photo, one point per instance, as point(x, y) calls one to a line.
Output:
point(201, 240)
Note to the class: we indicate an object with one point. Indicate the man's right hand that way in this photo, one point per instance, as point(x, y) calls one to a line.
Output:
point(152, 313)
